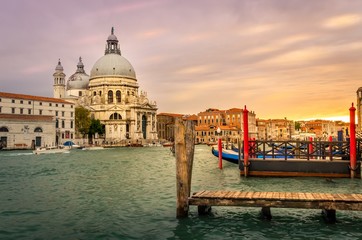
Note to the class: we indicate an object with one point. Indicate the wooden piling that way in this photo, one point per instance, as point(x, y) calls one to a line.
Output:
point(184, 151)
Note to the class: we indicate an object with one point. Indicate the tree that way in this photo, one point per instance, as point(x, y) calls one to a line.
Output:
point(82, 120)
point(297, 126)
point(95, 127)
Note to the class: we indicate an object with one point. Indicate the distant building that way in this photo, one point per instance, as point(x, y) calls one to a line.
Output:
point(111, 94)
point(275, 129)
point(230, 122)
point(166, 125)
point(29, 121)
point(321, 128)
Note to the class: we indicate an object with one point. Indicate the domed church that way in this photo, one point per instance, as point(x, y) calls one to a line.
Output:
point(111, 93)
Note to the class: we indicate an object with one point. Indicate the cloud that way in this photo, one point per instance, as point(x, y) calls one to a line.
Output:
point(342, 21)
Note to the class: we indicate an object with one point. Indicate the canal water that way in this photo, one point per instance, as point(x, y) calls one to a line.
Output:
point(129, 193)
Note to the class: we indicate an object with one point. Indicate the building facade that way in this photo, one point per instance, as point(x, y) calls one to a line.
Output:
point(111, 93)
point(25, 119)
point(166, 126)
point(230, 122)
point(275, 129)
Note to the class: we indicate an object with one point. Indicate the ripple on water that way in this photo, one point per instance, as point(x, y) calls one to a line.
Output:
point(129, 193)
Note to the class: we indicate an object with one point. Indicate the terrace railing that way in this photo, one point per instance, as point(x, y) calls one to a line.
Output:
point(329, 150)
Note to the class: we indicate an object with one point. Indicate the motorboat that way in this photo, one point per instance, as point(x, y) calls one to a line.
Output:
point(47, 150)
point(93, 148)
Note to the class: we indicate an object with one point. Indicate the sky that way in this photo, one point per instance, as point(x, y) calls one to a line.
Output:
point(279, 58)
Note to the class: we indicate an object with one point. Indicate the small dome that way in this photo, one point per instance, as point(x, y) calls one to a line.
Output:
point(112, 37)
point(78, 81)
point(59, 67)
point(113, 65)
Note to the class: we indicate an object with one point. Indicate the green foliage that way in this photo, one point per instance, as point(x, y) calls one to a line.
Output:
point(96, 127)
point(297, 126)
point(82, 120)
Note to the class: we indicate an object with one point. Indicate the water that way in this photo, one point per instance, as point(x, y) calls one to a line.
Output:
point(129, 193)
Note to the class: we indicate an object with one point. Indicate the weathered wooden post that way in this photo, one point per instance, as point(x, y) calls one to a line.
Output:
point(352, 142)
point(184, 151)
point(246, 141)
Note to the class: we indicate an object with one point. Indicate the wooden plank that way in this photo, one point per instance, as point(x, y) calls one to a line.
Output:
point(242, 194)
point(358, 197)
point(256, 195)
point(197, 194)
point(282, 195)
point(262, 195)
point(329, 197)
point(301, 196)
point(309, 196)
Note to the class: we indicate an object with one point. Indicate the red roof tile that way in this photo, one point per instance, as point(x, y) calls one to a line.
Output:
point(31, 97)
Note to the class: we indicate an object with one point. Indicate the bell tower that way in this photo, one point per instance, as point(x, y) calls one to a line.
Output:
point(59, 81)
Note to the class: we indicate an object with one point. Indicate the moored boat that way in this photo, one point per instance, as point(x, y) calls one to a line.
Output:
point(93, 148)
point(47, 150)
point(228, 155)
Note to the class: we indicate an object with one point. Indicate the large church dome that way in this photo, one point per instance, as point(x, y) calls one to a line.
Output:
point(112, 63)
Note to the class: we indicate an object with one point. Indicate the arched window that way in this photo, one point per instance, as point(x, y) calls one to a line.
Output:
point(38, 129)
point(118, 96)
point(115, 116)
point(4, 129)
point(110, 96)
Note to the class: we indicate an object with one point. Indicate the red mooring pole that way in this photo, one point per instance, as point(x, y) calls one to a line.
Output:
point(330, 139)
point(219, 148)
point(246, 141)
point(311, 147)
point(352, 142)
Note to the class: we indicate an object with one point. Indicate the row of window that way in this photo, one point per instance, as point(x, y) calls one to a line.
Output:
point(21, 111)
point(211, 133)
point(40, 103)
point(63, 124)
point(110, 96)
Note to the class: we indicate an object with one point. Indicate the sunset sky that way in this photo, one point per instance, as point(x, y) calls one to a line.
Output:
point(280, 58)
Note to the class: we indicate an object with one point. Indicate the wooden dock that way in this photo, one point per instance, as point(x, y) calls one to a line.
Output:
point(278, 199)
point(328, 202)
point(184, 152)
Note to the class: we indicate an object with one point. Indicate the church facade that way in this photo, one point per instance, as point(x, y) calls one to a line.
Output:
point(111, 93)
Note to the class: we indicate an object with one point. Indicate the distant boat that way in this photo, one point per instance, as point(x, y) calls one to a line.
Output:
point(93, 148)
point(47, 150)
point(70, 144)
